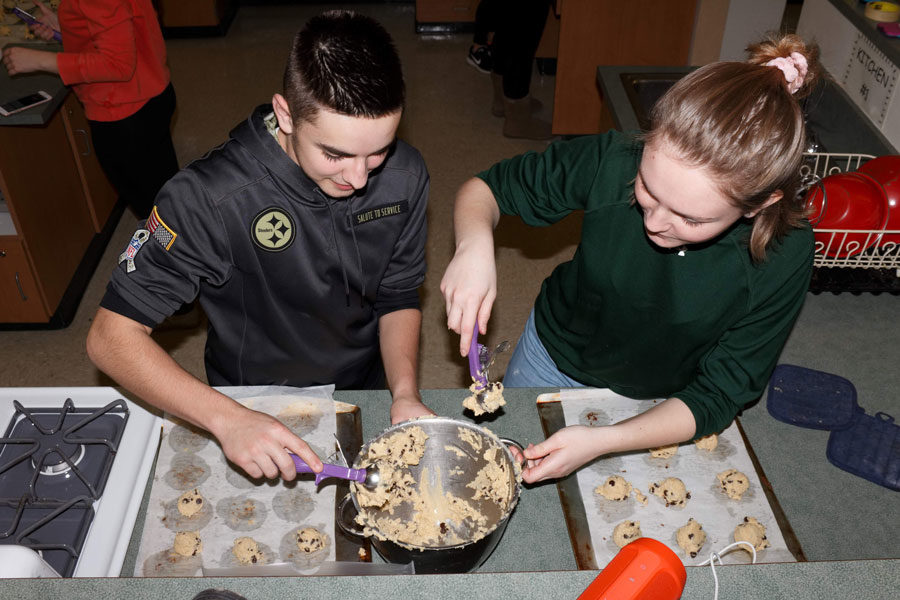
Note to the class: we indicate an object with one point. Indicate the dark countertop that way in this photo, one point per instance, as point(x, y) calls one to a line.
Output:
point(534, 560)
point(29, 83)
point(854, 11)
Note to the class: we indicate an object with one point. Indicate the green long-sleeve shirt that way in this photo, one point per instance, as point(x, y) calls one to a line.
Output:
point(706, 327)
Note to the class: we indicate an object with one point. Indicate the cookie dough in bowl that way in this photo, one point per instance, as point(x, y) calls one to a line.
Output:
point(447, 489)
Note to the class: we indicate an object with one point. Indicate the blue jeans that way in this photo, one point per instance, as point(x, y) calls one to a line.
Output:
point(531, 366)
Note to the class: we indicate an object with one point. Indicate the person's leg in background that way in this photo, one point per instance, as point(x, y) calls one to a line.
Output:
point(136, 152)
point(516, 40)
point(480, 52)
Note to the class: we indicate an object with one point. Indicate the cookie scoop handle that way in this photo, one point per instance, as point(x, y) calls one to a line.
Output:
point(358, 475)
point(475, 369)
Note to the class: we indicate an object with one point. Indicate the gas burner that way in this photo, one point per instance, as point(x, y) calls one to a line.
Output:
point(67, 457)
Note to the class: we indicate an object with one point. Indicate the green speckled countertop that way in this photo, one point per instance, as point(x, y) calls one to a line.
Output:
point(534, 559)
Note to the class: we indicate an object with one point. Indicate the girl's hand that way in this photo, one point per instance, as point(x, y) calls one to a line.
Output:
point(469, 287)
point(562, 453)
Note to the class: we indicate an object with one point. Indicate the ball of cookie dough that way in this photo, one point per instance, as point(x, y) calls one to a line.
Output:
point(247, 551)
point(310, 540)
point(672, 490)
point(734, 483)
point(187, 543)
point(626, 532)
point(707, 442)
point(664, 451)
point(691, 537)
point(753, 532)
point(614, 488)
point(190, 503)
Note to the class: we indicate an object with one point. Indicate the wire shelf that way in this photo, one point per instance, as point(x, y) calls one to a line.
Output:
point(848, 248)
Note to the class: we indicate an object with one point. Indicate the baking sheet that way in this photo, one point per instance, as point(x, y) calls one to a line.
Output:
point(235, 505)
point(591, 518)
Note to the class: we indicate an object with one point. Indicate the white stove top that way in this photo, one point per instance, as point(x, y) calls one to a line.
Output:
point(115, 511)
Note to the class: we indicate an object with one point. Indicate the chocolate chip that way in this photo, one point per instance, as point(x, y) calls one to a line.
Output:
point(690, 536)
point(693, 555)
point(253, 559)
point(612, 482)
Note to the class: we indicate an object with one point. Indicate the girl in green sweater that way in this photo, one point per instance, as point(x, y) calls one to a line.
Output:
point(692, 267)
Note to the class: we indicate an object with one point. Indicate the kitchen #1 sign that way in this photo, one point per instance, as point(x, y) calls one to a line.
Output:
point(870, 79)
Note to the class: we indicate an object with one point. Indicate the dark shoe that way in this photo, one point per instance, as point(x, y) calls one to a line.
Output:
point(480, 58)
point(521, 123)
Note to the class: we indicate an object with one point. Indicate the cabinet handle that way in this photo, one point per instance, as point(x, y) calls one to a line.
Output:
point(87, 142)
point(21, 291)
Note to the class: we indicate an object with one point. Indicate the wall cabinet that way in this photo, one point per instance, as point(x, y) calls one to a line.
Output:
point(604, 32)
point(59, 201)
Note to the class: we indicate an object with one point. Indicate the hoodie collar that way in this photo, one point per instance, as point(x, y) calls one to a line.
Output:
point(253, 134)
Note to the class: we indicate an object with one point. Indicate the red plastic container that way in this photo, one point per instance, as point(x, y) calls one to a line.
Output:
point(645, 569)
point(851, 201)
point(886, 171)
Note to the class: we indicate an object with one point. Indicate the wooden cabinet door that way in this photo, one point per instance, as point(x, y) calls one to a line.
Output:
point(98, 191)
point(19, 298)
point(604, 32)
point(46, 200)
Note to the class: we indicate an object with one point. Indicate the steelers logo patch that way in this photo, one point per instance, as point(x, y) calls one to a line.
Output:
point(272, 230)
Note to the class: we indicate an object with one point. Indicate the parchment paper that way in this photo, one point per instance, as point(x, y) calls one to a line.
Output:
point(697, 468)
point(234, 505)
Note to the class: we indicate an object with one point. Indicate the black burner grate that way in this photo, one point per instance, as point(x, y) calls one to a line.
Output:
point(54, 463)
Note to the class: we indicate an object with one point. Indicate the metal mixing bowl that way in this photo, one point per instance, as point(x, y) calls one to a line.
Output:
point(450, 471)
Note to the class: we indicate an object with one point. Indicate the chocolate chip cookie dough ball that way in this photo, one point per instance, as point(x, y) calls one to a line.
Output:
point(614, 488)
point(190, 503)
point(753, 532)
point(707, 442)
point(626, 532)
point(672, 491)
point(691, 537)
point(664, 451)
point(187, 543)
point(247, 551)
point(733, 483)
point(310, 540)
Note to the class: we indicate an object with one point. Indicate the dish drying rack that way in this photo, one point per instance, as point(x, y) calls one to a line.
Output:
point(844, 260)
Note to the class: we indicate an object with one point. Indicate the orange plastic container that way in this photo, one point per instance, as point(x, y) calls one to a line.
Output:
point(645, 569)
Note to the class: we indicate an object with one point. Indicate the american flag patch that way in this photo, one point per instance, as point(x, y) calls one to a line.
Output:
point(161, 232)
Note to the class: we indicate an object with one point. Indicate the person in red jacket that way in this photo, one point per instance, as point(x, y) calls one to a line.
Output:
point(114, 58)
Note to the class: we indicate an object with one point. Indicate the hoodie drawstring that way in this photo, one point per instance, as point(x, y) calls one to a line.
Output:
point(340, 255)
point(337, 245)
point(362, 275)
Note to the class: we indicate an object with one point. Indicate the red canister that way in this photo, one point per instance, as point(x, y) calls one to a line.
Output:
point(645, 569)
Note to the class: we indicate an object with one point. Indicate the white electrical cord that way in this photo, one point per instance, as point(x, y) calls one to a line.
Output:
point(716, 555)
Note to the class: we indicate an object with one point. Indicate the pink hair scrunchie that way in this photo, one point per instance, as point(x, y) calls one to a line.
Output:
point(794, 68)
